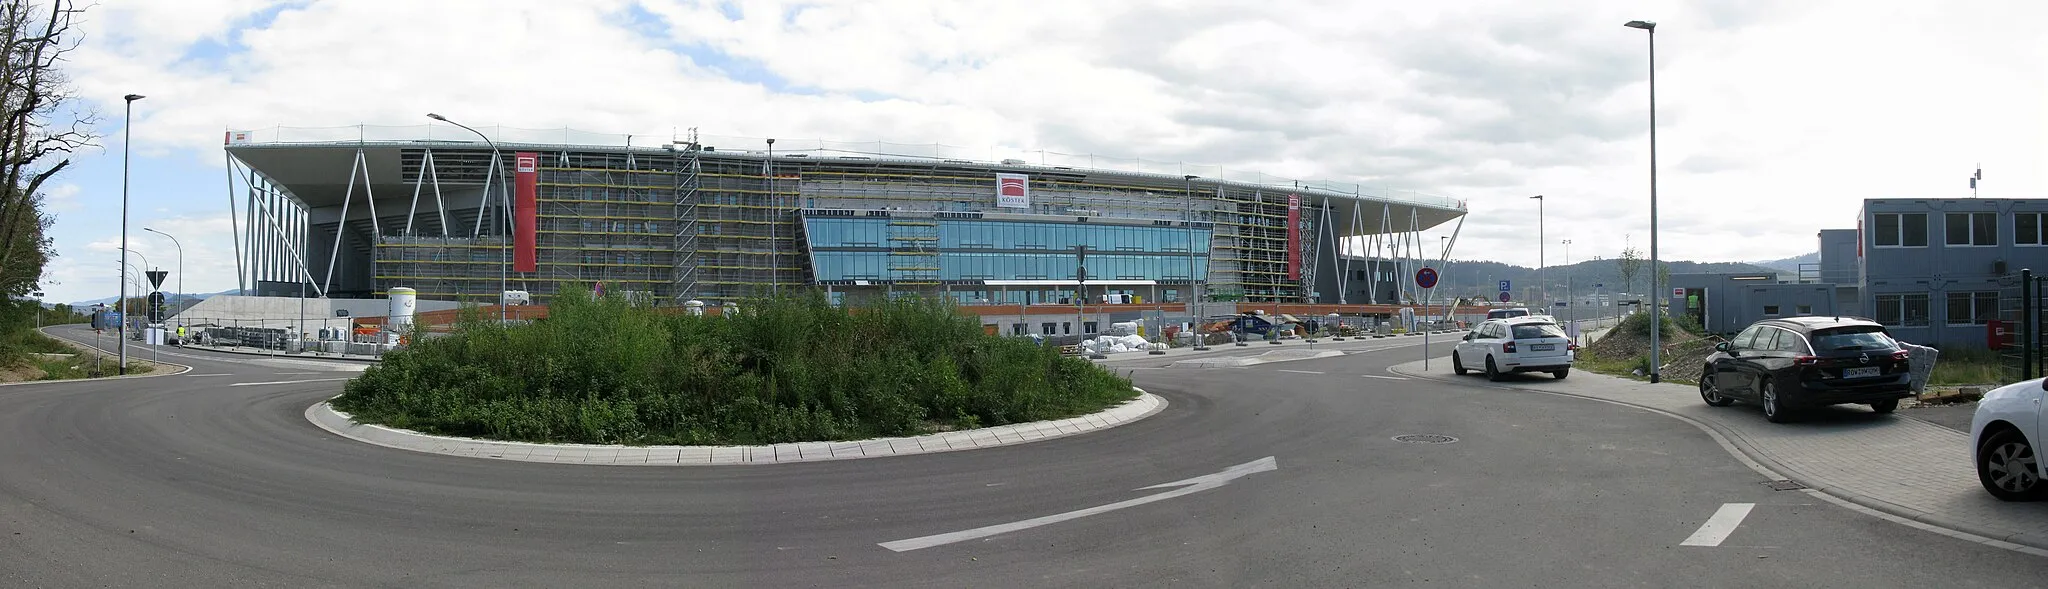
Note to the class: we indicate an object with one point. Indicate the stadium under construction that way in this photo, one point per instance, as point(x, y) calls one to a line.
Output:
point(354, 212)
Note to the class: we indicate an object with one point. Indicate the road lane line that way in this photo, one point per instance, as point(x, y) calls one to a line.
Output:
point(1720, 525)
point(251, 384)
point(220, 374)
point(1383, 377)
point(1301, 371)
point(1187, 487)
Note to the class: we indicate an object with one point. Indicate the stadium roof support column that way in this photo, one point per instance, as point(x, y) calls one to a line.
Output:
point(440, 205)
point(419, 183)
point(293, 254)
point(341, 226)
point(484, 200)
point(234, 229)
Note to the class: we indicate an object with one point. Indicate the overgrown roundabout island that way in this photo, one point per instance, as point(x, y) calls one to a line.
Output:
point(791, 379)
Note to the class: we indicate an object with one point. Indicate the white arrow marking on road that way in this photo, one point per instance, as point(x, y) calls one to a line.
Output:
point(1188, 487)
point(251, 384)
point(1720, 525)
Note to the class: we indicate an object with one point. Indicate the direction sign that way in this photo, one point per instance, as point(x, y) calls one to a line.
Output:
point(1426, 277)
point(1504, 287)
point(1504, 296)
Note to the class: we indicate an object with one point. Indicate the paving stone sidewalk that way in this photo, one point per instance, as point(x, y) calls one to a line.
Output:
point(1890, 463)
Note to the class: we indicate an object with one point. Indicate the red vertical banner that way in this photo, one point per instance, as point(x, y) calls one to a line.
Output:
point(525, 211)
point(1294, 237)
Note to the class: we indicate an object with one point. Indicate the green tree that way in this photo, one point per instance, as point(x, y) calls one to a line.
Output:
point(37, 132)
point(1629, 265)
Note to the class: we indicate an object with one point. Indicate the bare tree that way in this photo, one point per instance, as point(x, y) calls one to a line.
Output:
point(1629, 264)
point(38, 131)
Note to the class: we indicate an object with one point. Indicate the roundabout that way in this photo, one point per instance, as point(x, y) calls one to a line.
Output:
point(1284, 473)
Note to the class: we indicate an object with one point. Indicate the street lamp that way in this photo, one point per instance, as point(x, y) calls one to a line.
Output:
point(1571, 308)
point(181, 257)
point(1194, 284)
point(1542, 289)
point(774, 218)
point(127, 126)
point(1656, 339)
point(504, 244)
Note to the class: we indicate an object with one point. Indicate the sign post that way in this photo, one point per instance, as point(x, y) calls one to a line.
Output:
point(1426, 279)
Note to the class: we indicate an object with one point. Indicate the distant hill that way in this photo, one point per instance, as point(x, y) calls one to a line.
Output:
point(1482, 278)
point(171, 296)
point(1791, 264)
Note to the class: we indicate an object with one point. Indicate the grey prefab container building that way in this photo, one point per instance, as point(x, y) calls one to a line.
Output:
point(1727, 303)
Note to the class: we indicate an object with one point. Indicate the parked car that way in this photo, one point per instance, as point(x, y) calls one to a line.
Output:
point(1786, 365)
point(2006, 430)
point(1518, 344)
point(1508, 313)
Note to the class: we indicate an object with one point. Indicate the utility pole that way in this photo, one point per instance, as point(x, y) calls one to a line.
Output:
point(1542, 288)
point(127, 131)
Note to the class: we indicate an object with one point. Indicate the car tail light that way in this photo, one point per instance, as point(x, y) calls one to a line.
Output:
point(1508, 347)
point(1901, 355)
point(1807, 360)
point(1573, 346)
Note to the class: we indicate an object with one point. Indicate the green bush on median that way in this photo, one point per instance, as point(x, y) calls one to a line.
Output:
point(784, 370)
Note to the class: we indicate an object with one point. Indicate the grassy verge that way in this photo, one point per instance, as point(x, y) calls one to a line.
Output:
point(1971, 367)
point(787, 370)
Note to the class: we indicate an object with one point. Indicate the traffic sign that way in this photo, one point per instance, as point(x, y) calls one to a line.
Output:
point(1504, 287)
point(1426, 277)
point(1677, 291)
point(1504, 296)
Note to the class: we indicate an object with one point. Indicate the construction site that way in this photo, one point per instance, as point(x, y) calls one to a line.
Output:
point(520, 216)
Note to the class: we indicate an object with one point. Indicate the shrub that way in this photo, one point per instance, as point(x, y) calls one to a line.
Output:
point(784, 370)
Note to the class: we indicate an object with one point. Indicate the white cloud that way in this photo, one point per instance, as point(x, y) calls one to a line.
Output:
point(61, 198)
point(1775, 118)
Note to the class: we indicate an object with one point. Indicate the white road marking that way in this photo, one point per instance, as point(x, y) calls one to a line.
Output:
point(1189, 486)
point(1301, 371)
point(1384, 377)
point(1720, 525)
point(296, 373)
point(220, 374)
point(251, 384)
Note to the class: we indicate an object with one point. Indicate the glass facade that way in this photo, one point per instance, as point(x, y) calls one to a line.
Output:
point(920, 249)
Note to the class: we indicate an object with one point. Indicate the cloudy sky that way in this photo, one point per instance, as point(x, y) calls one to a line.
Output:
point(1775, 118)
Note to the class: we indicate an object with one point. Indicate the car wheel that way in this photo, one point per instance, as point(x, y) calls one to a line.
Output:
point(1492, 372)
point(1886, 406)
point(1562, 373)
point(2009, 468)
point(1774, 409)
point(1711, 392)
point(1457, 367)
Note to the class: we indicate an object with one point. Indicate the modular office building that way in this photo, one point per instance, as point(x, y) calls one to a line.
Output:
point(356, 211)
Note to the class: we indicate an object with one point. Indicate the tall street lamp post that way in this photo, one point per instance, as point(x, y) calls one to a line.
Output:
point(1542, 289)
point(1194, 283)
point(181, 257)
point(127, 126)
point(1571, 307)
point(505, 243)
point(1656, 338)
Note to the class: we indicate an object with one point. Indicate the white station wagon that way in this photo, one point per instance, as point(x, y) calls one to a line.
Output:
point(1515, 344)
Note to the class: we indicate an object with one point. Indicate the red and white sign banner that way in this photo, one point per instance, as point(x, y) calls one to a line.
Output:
point(1294, 237)
point(1013, 191)
point(237, 137)
point(525, 211)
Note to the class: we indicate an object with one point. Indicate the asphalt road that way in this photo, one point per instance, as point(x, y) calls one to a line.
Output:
point(188, 481)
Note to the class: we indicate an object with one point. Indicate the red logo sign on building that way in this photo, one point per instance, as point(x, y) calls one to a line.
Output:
point(1013, 191)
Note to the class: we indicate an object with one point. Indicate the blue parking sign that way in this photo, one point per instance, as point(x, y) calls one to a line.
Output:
point(1504, 286)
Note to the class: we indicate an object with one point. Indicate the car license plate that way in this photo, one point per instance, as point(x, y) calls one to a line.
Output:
point(1543, 347)
point(1862, 372)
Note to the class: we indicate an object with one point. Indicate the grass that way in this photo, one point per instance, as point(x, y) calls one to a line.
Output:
point(1971, 367)
point(785, 370)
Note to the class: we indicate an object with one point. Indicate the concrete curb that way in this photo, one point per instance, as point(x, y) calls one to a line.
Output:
point(1742, 449)
point(326, 417)
point(286, 356)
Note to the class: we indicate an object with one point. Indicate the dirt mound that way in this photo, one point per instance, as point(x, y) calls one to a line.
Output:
point(1684, 353)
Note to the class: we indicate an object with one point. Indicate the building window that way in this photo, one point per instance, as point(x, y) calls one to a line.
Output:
point(1972, 308)
point(1972, 229)
point(1017, 328)
point(1049, 328)
point(2026, 229)
point(1806, 309)
point(1902, 310)
point(1770, 310)
point(1089, 327)
point(1900, 230)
